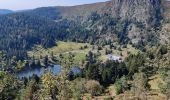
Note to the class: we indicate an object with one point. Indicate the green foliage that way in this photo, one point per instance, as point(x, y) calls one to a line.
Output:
point(163, 49)
point(3, 62)
point(165, 75)
point(106, 72)
point(140, 83)
point(29, 93)
point(108, 51)
point(20, 65)
point(118, 87)
point(78, 88)
point(55, 87)
point(24, 31)
point(21, 31)
point(165, 88)
point(49, 85)
point(121, 85)
point(92, 71)
point(93, 87)
point(8, 86)
point(134, 62)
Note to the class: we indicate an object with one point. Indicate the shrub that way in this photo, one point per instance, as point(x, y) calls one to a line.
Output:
point(77, 88)
point(121, 85)
point(118, 87)
point(93, 87)
point(163, 50)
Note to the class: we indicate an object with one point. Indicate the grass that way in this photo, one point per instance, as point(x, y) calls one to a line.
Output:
point(78, 57)
point(65, 48)
point(112, 90)
point(123, 53)
point(154, 82)
point(62, 47)
point(129, 49)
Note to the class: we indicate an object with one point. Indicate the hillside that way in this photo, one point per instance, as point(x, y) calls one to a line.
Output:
point(118, 21)
point(166, 5)
point(5, 11)
point(136, 10)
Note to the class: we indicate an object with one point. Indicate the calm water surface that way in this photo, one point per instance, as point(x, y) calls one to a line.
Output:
point(56, 69)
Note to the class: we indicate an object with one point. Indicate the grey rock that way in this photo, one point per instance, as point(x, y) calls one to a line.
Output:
point(146, 11)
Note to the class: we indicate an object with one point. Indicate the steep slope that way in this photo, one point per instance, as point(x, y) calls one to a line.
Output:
point(166, 5)
point(164, 30)
point(69, 12)
point(19, 32)
point(116, 20)
point(146, 11)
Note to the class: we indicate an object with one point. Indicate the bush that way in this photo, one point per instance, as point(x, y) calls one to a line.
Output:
point(140, 83)
point(78, 88)
point(99, 48)
point(93, 87)
point(118, 87)
point(165, 88)
point(121, 85)
point(163, 50)
point(134, 62)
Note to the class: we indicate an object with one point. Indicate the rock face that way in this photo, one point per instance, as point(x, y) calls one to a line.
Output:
point(166, 9)
point(147, 11)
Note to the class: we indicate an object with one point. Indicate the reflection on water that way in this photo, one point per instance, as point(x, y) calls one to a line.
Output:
point(56, 69)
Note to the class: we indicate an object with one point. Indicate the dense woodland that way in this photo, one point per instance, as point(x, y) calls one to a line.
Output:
point(21, 31)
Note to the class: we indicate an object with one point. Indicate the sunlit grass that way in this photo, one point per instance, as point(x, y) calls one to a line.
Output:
point(62, 47)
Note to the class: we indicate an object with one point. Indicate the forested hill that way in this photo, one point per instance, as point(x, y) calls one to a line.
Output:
point(5, 11)
point(21, 31)
point(115, 21)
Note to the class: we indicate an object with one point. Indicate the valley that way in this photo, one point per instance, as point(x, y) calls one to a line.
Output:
point(113, 50)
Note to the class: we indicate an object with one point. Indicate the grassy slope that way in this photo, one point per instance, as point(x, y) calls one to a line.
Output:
point(154, 82)
point(116, 52)
point(62, 47)
point(65, 48)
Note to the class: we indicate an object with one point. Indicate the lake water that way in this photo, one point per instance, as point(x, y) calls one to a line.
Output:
point(56, 69)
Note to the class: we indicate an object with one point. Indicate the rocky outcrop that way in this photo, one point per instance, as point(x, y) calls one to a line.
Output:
point(166, 9)
point(147, 11)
